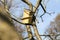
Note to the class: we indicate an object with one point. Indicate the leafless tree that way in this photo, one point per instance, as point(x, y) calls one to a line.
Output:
point(33, 9)
point(5, 6)
point(54, 28)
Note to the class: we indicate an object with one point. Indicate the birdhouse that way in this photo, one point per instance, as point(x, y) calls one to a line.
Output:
point(27, 17)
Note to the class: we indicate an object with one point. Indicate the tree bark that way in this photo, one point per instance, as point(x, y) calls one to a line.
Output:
point(29, 32)
point(36, 32)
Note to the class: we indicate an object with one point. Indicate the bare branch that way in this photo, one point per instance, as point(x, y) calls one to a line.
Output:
point(43, 8)
point(36, 32)
point(37, 5)
point(18, 21)
point(28, 3)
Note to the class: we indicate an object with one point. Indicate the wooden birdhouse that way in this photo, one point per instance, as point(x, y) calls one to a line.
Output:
point(27, 17)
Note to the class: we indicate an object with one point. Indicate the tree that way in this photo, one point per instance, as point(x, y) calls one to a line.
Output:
point(7, 28)
point(54, 28)
point(32, 10)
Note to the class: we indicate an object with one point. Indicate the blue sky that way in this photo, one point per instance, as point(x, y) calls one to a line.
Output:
point(52, 6)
